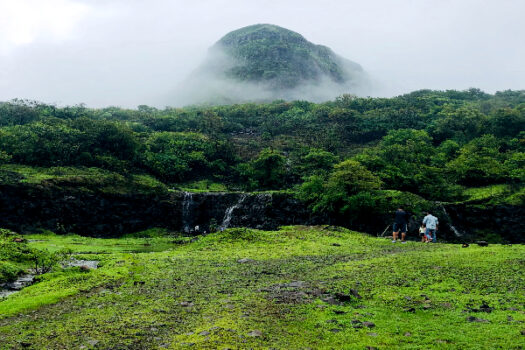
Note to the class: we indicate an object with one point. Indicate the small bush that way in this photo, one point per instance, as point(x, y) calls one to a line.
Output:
point(9, 271)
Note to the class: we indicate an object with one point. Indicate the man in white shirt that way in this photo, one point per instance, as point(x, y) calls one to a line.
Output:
point(431, 223)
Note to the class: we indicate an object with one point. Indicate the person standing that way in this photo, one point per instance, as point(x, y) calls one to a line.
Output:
point(423, 234)
point(400, 224)
point(431, 223)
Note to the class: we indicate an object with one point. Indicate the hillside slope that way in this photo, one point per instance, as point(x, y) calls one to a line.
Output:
point(265, 62)
point(281, 57)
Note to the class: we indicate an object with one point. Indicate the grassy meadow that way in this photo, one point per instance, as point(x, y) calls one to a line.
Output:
point(296, 288)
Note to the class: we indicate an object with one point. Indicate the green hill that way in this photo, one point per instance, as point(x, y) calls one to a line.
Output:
point(264, 62)
point(281, 57)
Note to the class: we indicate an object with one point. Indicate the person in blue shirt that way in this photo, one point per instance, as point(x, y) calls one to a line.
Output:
point(431, 223)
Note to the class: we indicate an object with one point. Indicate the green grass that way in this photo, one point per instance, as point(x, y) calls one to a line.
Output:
point(495, 194)
point(203, 186)
point(36, 175)
point(14, 256)
point(197, 294)
point(152, 240)
point(83, 177)
point(67, 282)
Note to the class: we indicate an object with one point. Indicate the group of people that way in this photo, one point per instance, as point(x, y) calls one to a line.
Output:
point(427, 231)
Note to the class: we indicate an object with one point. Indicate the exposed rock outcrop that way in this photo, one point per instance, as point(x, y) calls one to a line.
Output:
point(503, 223)
point(29, 207)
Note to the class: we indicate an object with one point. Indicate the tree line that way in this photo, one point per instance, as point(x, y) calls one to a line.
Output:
point(337, 154)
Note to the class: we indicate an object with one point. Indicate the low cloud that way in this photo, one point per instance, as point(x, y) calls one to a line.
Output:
point(204, 87)
point(127, 53)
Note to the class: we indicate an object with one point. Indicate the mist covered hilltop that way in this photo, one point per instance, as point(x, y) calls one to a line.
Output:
point(265, 62)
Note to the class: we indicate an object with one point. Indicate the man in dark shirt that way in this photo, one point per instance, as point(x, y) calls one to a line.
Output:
point(400, 224)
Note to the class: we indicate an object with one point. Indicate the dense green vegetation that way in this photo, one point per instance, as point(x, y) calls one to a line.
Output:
point(343, 156)
point(300, 287)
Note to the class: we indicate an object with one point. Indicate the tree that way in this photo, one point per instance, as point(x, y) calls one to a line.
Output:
point(19, 112)
point(174, 156)
point(508, 122)
point(336, 193)
point(44, 260)
point(351, 177)
point(399, 157)
point(479, 162)
point(460, 124)
point(316, 161)
point(515, 165)
point(268, 169)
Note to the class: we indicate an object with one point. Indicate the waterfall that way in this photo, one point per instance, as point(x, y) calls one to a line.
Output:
point(228, 214)
point(455, 230)
point(186, 211)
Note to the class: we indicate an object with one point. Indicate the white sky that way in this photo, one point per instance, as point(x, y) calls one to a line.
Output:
point(131, 52)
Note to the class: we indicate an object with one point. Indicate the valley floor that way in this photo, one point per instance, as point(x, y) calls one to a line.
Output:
point(297, 288)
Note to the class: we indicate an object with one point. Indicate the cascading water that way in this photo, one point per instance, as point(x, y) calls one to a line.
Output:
point(455, 230)
point(228, 214)
point(186, 211)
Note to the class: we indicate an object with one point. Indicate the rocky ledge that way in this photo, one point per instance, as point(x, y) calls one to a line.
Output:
point(28, 207)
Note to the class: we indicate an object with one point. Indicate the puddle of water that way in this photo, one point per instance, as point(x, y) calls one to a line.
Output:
point(4, 293)
point(92, 264)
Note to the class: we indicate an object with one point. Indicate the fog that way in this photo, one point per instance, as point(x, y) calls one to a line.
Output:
point(210, 83)
point(211, 89)
point(129, 52)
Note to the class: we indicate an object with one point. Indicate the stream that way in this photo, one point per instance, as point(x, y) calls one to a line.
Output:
point(20, 283)
point(8, 288)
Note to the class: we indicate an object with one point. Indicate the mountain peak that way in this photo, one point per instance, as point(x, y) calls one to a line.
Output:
point(274, 63)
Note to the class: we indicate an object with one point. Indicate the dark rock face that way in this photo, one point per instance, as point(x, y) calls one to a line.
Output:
point(461, 223)
point(261, 211)
point(30, 207)
point(491, 223)
point(27, 207)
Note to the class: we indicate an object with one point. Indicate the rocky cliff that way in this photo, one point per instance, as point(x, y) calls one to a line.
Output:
point(500, 223)
point(29, 207)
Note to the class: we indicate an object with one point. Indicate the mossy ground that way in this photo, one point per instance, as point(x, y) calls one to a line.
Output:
point(233, 290)
point(496, 194)
point(203, 186)
point(92, 178)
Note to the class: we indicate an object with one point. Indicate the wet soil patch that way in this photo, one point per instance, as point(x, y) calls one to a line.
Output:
point(295, 292)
